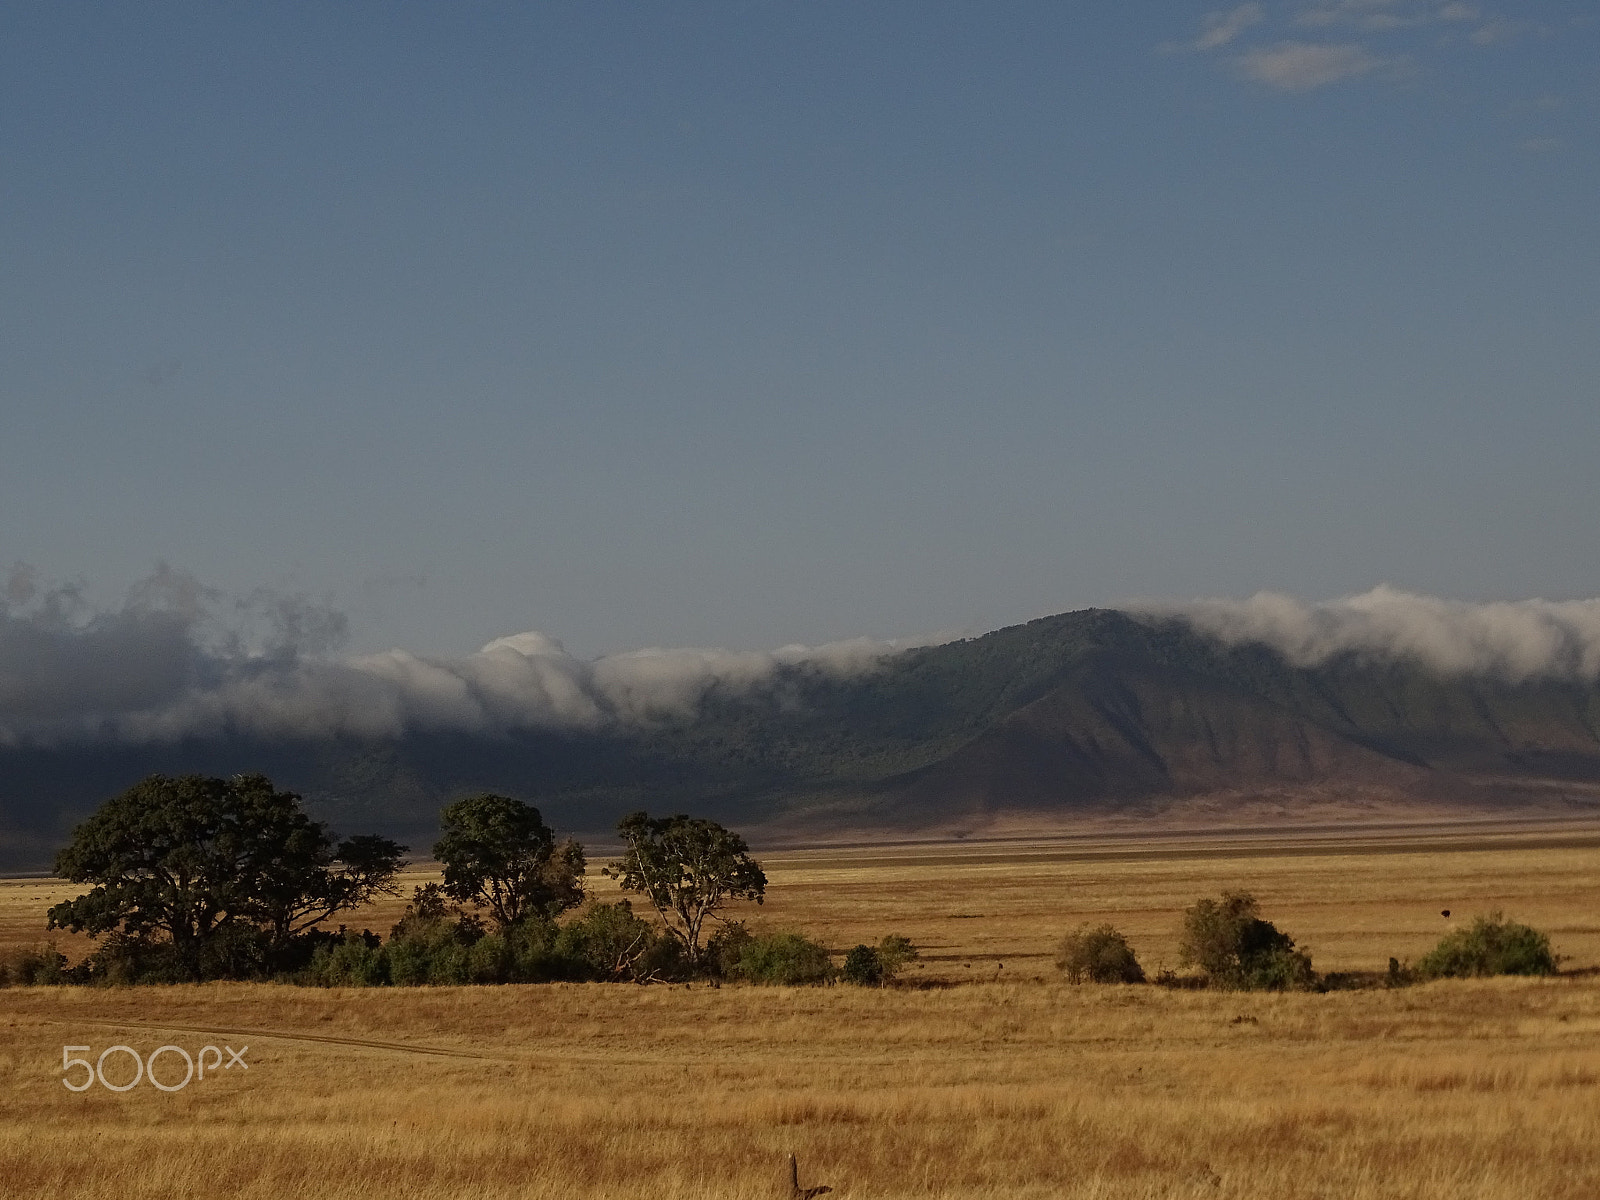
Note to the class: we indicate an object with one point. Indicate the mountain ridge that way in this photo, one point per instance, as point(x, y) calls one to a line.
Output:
point(1090, 712)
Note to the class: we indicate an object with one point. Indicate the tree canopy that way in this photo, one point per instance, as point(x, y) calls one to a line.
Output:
point(689, 869)
point(498, 853)
point(194, 862)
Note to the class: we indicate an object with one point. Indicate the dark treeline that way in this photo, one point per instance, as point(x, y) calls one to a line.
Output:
point(198, 878)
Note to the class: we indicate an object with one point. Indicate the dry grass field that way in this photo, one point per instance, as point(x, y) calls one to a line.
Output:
point(1007, 1084)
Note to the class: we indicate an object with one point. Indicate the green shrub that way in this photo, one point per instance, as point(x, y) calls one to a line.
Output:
point(532, 953)
point(432, 942)
point(1489, 946)
point(874, 966)
point(783, 958)
point(41, 966)
point(895, 952)
point(1099, 956)
point(863, 966)
point(724, 950)
point(416, 959)
point(610, 942)
point(1228, 940)
point(1279, 969)
point(352, 961)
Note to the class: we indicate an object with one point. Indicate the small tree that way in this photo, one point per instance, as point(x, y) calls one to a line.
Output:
point(895, 952)
point(498, 854)
point(689, 869)
point(1099, 956)
point(1229, 941)
point(1492, 945)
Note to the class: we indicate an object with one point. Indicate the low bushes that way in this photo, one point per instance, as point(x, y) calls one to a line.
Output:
point(40, 966)
point(434, 943)
point(609, 942)
point(781, 958)
point(862, 966)
point(1235, 948)
point(873, 966)
point(1491, 945)
point(437, 942)
point(1099, 956)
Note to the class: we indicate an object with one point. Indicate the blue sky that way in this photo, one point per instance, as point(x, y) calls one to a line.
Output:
point(741, 324)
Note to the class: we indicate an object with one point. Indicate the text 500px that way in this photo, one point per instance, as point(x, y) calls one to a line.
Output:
point(209, 1060)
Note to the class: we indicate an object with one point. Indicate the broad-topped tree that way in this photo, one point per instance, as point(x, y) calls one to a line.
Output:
point(185, 864)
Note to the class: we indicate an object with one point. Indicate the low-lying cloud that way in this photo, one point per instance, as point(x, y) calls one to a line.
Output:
point(1516, 641)
point(175, 659)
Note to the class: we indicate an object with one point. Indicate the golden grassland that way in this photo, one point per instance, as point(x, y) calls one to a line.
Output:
point(1011, 1083)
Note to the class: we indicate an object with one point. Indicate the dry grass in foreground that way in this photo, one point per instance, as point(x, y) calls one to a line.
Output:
point(1459, 1090)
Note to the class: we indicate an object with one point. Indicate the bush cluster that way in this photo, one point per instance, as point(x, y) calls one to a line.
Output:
point(874, 966)
point(1099, 956)
point(1235, 948)
point(436, 944)
point(40, 966)
point(1491, 945)
point(778, 958)
point(1226, 939)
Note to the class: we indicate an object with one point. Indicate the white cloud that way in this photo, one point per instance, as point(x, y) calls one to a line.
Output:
point(1517, 641)
point(1222, 28)
point(1302, 66)
point(167, 664)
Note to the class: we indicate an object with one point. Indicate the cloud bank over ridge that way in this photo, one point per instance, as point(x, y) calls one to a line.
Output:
point(1517, 640)
point(176, 659)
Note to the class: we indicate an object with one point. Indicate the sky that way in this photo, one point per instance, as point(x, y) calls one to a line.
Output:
point(746, 324)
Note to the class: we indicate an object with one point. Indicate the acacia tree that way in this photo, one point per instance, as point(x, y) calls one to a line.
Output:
point(186, 861)
point(689, 869)
point(499, 854)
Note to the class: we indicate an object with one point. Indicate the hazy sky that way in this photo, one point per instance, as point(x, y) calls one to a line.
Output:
point(747, 323)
